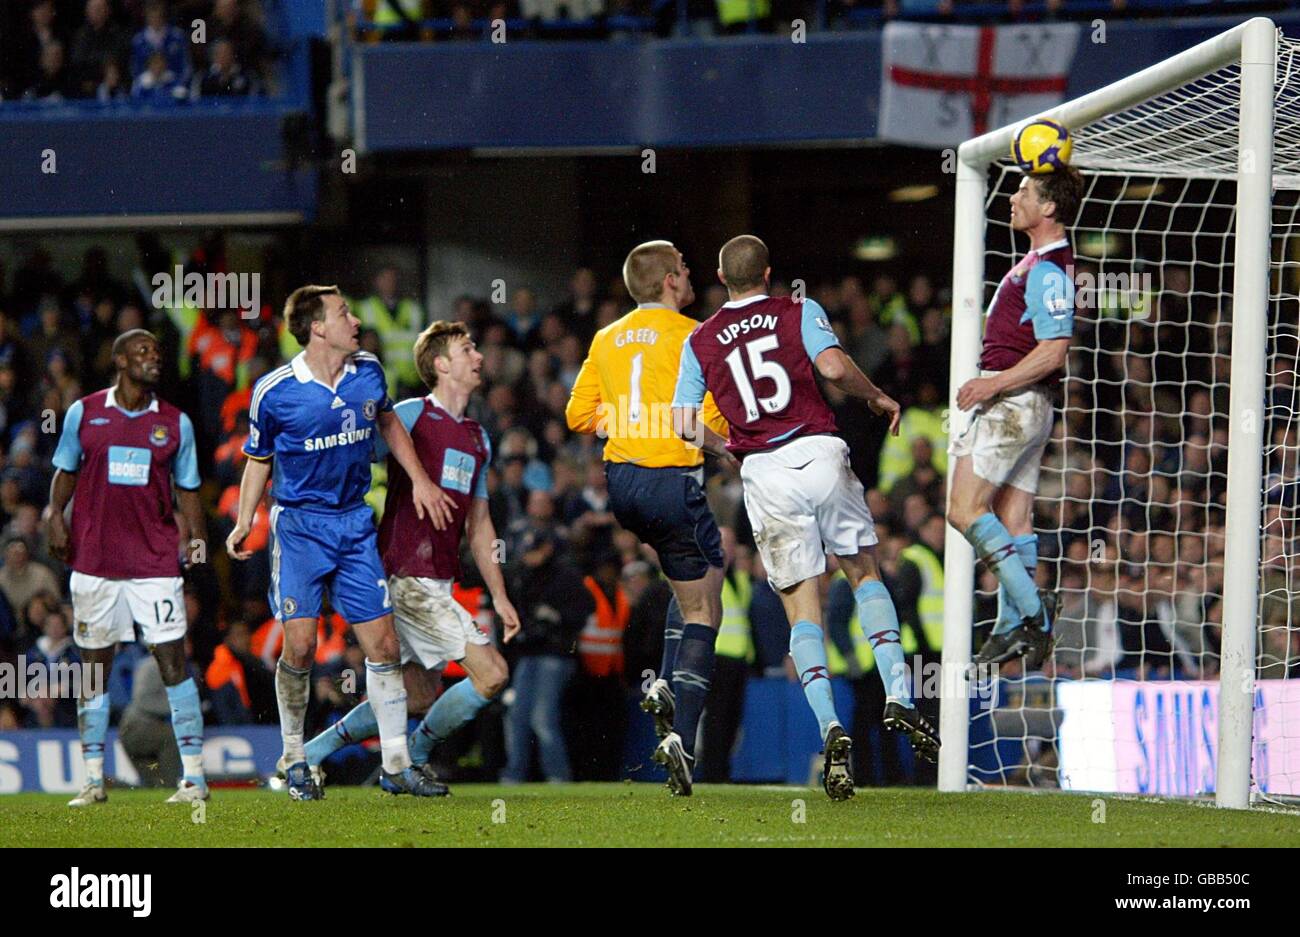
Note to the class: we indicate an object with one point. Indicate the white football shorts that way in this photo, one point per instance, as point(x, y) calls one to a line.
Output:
point(1006, 438)
point(432, 627)
point(803, 502)
point(107, 610)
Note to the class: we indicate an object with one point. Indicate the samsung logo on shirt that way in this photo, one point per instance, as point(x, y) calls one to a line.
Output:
point(317, 443)
point(745, 326)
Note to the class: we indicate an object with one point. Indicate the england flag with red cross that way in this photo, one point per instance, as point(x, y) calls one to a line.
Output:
point(945, 84)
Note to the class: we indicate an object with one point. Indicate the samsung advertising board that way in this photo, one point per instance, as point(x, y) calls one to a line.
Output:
point(49, 760)
point(1162, 738)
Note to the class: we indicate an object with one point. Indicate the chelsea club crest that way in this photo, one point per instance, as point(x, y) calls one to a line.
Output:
point(368, 409)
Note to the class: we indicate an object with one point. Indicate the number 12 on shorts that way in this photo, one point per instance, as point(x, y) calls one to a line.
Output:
point(761, 368)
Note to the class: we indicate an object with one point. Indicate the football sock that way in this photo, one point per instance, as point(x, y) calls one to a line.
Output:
point(356, 726)
point(879, 620)
point(187, 726)
point(672, 640)
point(388, 699)
point(92, 721)
point(452, 710)
point(808, 649)
point(994, 546)
point(1027, 550)
point(291, 689)
point(691, 675)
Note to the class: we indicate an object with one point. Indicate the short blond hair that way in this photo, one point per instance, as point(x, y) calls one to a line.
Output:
point(645, 269)
point(433, 343)
point(304, 306)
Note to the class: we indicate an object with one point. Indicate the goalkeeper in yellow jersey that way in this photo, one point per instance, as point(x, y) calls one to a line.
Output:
point(656, 483)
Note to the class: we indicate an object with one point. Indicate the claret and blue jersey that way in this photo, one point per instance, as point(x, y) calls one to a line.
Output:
point(1033, 303)
point(321, 438)
point(756, 356)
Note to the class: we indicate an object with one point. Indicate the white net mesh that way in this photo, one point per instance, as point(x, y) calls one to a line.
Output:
point(1131, 501)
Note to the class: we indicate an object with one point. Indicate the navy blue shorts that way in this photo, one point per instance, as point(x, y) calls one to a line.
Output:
point(314, 553)
point(667, 509)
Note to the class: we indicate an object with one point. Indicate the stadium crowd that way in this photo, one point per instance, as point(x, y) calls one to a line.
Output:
point(1130, 508)
point(146, 50)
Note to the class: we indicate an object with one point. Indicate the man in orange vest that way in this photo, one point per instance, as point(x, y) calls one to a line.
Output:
point(600, 692)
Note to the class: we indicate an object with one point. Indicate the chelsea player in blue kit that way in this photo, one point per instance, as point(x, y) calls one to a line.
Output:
point(313, 423)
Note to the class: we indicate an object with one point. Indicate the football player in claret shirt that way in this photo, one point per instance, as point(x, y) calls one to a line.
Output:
point(1026, 340)
point(315, 420)
point(756, 355)
point(123, 454)
point(422, 563)
point(656, 484)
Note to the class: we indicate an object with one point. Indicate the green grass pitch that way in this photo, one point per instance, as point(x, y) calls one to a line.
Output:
point(636, 815)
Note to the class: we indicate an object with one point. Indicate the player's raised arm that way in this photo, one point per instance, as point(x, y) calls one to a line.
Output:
point(582, 413)
point(429, 499)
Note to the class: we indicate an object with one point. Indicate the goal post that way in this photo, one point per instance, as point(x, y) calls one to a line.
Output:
point(1199, 125)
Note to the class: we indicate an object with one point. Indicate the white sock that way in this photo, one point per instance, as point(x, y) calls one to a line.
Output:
point(94, 770)
point(192, 766)
point(292, 686)
point(387, 695)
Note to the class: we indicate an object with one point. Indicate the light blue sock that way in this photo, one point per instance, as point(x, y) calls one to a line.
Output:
point(808, 649)
point(92, 721)
point(994, 546)
point(356, 726)
point(1027, 550)
point(879, 620)
point(452, 710)
point(187, 726)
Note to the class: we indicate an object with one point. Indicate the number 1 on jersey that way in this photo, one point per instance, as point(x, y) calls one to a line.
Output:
point(761, 368)
point(634, 404)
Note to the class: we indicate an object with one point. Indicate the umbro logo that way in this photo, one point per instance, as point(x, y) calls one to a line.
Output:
point(336, 403)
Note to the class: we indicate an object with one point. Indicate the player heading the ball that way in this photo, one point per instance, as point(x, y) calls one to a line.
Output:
point(1027, 333)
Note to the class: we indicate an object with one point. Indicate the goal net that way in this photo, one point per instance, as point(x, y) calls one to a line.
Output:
point(1133, 504)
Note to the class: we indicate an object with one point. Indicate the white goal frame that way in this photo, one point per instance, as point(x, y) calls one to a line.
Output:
point(1253, 44)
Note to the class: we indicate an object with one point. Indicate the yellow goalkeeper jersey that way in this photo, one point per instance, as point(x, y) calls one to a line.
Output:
point(625, 390)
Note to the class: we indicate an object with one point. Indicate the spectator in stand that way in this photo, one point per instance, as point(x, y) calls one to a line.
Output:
point(578, 310)
point(41, 31)
point(21, 577)
point(53, 82)
point(243, 690)
point(222, 346)
point(554, 607)
point(224, 77)
point(398, 320)
point(523, 318)
point(55, 651)
point(112, 87)
point(238, 25)
point(158, 83)
point(160, 36)
point(99, 40)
